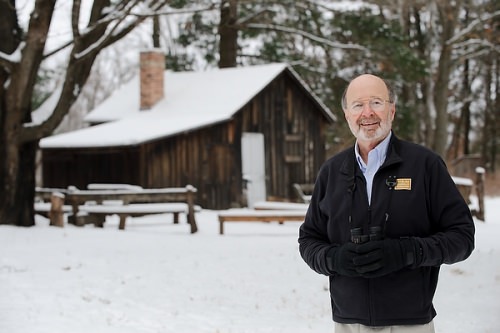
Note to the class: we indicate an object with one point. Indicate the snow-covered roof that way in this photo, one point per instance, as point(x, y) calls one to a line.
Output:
point(192, 100)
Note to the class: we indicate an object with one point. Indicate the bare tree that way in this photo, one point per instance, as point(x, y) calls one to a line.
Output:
point(452, 38)
point(20, 60)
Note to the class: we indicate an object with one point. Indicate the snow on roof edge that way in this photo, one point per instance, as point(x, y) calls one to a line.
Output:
point(87, 137)
point(328, 113)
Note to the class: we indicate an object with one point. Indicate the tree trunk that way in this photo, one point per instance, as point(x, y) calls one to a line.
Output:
point(448, 17)
point(460, 139)
point(491, 119)
point(496, 109)
point(156, 31)
point(26, 184)
point(16, 206)
point(17, 172)
point(228, 45)
point(423, 127)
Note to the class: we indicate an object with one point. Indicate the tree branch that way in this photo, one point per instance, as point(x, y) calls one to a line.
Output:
point(75, 18)
point(8, 61)
point(86, 48)
point(464, 32)
point(306, 35)
point(249, 18)
point(58, 49)
point(212, 6)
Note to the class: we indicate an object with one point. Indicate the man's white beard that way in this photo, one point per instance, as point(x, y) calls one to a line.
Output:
point(380, 133)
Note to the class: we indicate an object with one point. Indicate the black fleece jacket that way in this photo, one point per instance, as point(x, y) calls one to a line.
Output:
point(425, 205)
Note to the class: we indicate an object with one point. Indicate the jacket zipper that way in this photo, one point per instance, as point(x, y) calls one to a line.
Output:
point(371, 307)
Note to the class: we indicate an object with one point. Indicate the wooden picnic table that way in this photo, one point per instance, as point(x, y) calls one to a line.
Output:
point(126, 196)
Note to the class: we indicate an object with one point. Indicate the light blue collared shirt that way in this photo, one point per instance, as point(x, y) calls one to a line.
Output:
point(376, 158)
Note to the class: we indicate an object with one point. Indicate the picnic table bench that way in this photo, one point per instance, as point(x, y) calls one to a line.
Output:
point(303, 191)
point(98, 213)
point(259, 215)
point(131, 202)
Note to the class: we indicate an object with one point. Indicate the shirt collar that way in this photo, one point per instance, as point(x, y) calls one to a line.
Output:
point(379, 153)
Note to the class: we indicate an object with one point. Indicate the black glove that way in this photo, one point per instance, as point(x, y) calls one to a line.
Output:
point(340, 259)
point(379, 258)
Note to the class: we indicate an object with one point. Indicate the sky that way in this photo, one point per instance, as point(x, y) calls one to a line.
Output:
point(156, 277)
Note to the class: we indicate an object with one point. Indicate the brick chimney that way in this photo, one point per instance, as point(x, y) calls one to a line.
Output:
point(152, 65)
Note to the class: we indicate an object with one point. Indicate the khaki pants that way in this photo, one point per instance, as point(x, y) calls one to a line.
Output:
point(357, 328)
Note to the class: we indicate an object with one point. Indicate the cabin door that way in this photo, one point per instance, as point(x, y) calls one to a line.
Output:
point(253, 167)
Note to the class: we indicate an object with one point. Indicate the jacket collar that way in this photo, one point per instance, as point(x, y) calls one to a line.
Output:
point(348, 166)
point(393, 152)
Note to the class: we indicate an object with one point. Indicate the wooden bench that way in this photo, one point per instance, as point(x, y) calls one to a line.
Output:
point(98, 213)
point(43, 208)
point(279, 205)
point(466, 187)
point(126, 196)
point(250, 215)
point(304, 191)
point(54, 210)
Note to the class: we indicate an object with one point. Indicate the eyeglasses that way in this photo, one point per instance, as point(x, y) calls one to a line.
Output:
point(376, 104)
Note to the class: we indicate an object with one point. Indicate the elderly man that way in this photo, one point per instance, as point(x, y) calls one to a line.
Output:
point(383, 217)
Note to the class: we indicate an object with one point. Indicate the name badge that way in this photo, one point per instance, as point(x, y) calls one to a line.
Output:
point(403, 184)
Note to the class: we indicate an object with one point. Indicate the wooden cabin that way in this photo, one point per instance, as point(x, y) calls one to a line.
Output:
point(239, 135)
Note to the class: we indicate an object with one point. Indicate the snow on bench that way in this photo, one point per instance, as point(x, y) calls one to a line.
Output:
point(252, 215)
point(134, 210)
point(280, 205)
point(111, 186)
point(44, 208)
point(304, 191)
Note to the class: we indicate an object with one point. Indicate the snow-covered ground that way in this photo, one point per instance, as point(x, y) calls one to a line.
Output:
point(157, 277)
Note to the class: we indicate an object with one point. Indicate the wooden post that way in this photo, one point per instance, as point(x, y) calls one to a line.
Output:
point(221, 225)
point(73, 218)
point(176, 217)
point(56, 214)
point(480, 192)
point(123, 220)
point(190, 201)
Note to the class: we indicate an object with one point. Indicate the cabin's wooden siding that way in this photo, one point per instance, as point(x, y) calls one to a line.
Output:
point(294, 134)
point(204, 158)
point(79, 167)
